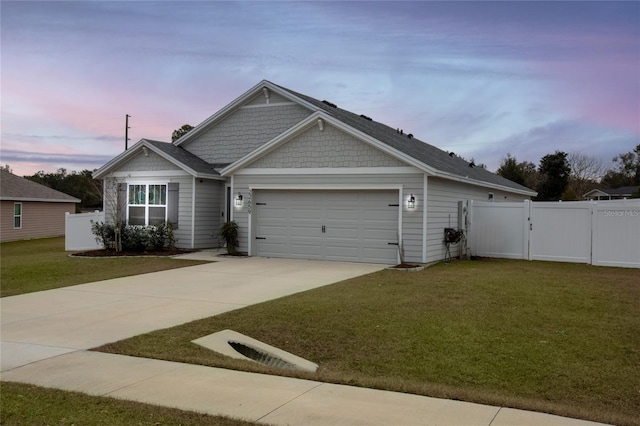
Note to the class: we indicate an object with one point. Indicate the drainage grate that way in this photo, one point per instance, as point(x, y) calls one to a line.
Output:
point(261, 357)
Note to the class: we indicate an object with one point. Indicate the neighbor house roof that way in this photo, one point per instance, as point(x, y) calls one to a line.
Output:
point(623, 191)
point(16, 188)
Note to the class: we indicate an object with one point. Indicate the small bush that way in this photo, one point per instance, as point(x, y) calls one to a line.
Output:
point(134, 237)
point(229, 233)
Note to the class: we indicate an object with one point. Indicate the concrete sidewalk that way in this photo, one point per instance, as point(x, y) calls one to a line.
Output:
point(45, 336)
point(258, 397)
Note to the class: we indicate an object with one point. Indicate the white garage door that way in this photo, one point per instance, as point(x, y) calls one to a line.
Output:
point(351, 226)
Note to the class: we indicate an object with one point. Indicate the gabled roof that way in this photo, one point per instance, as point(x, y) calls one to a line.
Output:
point(620, 192)
point(182, 158)
point(442, 163)
point(16, 188)
point(432, 160)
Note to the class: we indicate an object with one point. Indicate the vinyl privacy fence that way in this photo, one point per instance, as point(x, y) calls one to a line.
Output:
point(77, 229)
point(604, 233)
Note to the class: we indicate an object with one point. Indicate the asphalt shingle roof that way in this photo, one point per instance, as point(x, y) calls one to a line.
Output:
point(413, 147)
point(185, 157)
point(17, 188)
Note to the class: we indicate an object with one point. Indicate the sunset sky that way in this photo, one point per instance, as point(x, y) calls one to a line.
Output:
point(481, 79)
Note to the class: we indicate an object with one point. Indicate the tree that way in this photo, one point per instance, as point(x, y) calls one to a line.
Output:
point(510, 169)
point(178, 133)
point(77, 184)
point(6, 168)
point(586, 172)
point(554, 176)
point(627, 171)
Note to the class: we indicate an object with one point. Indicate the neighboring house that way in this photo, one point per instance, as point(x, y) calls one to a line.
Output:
point(30, 210)
point(611, 194)
point(303, 179)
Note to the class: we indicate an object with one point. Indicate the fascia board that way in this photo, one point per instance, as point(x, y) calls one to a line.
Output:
point(381, 146)
point(104, 170)
point(484, 184)
point(311, 121)
point(596, 191)
point(235, 104)
point(272, 144)
point(40, 200)
point(136, 149)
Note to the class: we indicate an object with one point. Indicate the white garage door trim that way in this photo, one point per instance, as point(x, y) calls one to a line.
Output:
point(307, 218)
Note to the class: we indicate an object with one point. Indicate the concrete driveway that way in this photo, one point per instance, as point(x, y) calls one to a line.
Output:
point(41, 325)
point(45, 336)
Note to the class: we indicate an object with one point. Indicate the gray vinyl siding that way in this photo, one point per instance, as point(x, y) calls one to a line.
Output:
point(209, 206)
point(327, 148)
point(243, 131)
point(442, 210)
point(411, 183)
point(153, 162)
point(185, 220)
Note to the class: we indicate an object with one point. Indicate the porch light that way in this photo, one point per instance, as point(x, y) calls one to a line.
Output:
point(412, 202)
point(239, 200)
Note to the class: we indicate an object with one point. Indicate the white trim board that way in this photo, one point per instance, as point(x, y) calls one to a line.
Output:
point(326, 187)
point(331, 171)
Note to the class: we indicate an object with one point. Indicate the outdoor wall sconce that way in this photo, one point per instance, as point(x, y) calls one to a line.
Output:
point(239, 200)
point(412, 202)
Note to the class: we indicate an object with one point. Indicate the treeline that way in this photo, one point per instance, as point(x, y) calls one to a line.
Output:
point(563, 176)
point(559, 176)
point(77, 184)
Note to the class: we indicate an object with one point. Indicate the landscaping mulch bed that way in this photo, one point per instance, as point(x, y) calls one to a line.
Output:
point(113, 253)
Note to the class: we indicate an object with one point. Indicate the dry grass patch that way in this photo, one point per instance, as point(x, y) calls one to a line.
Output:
point(24, 404)
point(553, 337)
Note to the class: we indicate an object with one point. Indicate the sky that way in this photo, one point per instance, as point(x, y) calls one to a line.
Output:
point(481, 79)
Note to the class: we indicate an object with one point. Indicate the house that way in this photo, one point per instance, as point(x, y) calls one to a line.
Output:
point(30, 210)
point(302, 178)
point(611, 194)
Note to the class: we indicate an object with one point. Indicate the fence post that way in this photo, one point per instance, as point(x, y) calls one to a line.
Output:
point(526, 249)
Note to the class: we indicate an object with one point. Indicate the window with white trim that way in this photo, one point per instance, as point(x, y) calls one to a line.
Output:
point(17, 215)
point(147, 204)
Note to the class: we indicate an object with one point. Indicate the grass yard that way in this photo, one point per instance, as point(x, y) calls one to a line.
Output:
point(33, 405)
point(552, 337)
point(35, 265)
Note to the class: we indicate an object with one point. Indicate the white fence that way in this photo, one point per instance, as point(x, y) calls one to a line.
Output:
point(77, 229)
point(604, 233)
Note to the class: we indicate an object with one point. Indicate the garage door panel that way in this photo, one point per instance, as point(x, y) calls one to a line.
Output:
point(305, 213)
point(358, 225)
point(305, 231)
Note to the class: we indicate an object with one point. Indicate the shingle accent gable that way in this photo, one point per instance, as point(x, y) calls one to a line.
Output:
point(243, 131)
point(327, 148)
point(149, 162)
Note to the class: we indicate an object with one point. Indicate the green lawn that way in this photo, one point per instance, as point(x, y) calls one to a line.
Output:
point(24, 404)
point(35, 265)
point(553, 337)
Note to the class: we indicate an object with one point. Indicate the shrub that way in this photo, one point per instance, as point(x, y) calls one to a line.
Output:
point(134, 237)
point(229, 233)
point(161, 236)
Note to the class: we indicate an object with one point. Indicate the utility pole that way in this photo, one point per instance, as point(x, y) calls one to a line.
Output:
point(126, 131)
